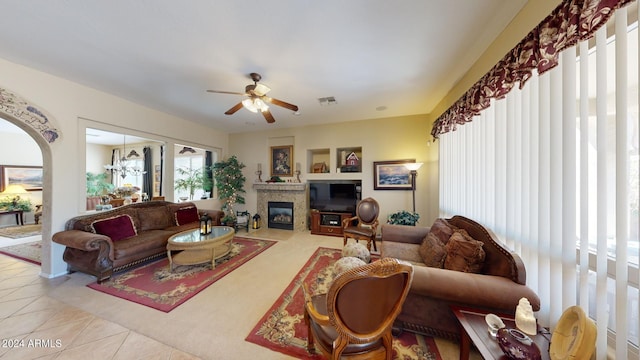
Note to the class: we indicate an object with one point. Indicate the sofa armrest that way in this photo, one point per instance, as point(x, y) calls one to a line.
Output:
point(488, 291)
point(83, 240)
point(403, 233)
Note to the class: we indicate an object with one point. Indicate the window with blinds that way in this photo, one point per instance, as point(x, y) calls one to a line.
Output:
point(552, 169)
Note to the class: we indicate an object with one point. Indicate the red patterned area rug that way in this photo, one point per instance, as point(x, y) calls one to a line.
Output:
point(283, 328)
point(155, 286)
point(29, 252)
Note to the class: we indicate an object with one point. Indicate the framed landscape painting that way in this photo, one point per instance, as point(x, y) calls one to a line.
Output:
point(392, 175)
point(30, 177)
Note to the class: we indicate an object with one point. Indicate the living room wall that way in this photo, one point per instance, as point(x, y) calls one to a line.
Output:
point(73, 107)
point(381, 139)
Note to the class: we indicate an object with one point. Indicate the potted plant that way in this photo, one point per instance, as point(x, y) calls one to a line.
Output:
point(98, 185)
point(229, 182)
point(15, 203)
point(190, 180)
point(403, 217)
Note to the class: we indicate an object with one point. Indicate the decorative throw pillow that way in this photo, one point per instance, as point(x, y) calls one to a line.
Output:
point(154, 218)
point(464, 253)
point(117, 228)
point(442, 229)
point(187, 215)
point(432, 251)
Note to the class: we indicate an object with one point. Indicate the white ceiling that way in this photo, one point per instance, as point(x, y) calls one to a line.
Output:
point(401, 56)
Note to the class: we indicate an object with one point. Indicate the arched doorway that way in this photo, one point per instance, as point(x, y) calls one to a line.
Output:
point(40, 126)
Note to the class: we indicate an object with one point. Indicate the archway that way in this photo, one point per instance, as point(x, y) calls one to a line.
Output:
point(41, 126)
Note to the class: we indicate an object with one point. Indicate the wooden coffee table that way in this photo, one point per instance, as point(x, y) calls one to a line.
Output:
point(196, 249)
point(474, 330)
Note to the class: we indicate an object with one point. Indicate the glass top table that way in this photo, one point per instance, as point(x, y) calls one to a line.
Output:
point(196, 249)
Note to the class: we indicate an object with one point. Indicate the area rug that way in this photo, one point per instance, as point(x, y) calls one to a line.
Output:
point(283, 328)
point(30, 251)
point(154, 285)
point(16, 232)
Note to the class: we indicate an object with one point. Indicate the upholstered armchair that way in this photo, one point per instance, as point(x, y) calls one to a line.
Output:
point(366, 226)
point(355, 317)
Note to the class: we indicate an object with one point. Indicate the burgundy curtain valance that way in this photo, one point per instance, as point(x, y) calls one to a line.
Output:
point(571, 22)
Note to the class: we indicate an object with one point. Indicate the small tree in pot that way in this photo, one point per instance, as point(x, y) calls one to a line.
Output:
point(229, 182)
point(190, 180)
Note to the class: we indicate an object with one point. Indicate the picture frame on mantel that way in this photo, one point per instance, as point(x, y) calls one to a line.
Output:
point(29, 177)
point(392, 175)
point(281, 160)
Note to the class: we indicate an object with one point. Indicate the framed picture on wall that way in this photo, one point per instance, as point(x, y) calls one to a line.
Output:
point(392, 175)
point(281, 160)
point(29, 177)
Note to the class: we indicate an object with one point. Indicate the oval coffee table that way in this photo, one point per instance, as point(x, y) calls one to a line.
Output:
point(196, 249)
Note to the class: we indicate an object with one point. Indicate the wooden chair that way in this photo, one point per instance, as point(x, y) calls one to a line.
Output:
point(366, 227)
point(355, 317)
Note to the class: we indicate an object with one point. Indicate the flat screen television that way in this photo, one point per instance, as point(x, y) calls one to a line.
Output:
point(334, 195)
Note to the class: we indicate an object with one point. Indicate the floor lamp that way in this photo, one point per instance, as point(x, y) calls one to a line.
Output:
point(413, 168)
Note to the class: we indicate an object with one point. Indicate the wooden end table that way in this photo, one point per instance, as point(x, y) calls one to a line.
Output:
point(474, 330)
point(196, 249)
point(18, 213)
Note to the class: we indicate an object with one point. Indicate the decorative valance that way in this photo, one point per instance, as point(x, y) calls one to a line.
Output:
point(569, 23)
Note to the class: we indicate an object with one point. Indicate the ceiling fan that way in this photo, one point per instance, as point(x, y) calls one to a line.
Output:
point(257, 99)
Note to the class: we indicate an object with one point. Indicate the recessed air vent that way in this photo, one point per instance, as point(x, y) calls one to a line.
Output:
point(326, 101)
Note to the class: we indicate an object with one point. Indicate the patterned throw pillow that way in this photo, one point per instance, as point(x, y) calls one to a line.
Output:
point(432, 251)
point(117, 228)
point(464, 253)
point(187, 215)
point(442, 229)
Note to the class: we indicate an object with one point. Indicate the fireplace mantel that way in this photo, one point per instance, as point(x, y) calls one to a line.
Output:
point(284, 192)
point(281, 186)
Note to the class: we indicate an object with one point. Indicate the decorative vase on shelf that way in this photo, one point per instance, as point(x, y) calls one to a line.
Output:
point(127, 200)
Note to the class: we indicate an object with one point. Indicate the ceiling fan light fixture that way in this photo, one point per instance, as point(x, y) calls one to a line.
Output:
point(255, 105)
point(249, 105)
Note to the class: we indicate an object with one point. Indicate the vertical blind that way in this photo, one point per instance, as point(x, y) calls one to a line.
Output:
point(553, 168)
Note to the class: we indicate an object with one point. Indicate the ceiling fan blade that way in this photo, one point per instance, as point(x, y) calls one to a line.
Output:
point(226, 92)
point(281, 103)
point(267, 116)
point(235, 108)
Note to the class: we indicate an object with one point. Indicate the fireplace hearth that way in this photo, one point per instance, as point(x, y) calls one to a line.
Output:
point(280, 215)
point(295, 193)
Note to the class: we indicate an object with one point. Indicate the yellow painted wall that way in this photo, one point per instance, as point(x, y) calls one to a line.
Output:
point(381, 139)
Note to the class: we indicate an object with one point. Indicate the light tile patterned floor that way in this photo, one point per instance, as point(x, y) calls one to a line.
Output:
point(62, 318)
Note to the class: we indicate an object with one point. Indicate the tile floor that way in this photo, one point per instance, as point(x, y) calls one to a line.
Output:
point(61, 318)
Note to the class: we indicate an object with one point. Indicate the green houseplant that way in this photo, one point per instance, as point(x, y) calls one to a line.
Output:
point(403, 217)
point(15, 203)
point(229, 182)
point(97, 184)
point(190, 180)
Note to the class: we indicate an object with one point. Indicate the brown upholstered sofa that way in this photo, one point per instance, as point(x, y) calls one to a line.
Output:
point(497, 287)
point(104, 242)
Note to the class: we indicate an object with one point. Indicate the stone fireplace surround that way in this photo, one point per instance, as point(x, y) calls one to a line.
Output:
point(284, 192)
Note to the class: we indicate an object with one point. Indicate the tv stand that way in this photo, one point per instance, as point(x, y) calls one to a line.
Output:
point(327, 222)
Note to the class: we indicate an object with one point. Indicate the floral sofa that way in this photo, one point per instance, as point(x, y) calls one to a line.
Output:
point(456, 262)
point(104, 242)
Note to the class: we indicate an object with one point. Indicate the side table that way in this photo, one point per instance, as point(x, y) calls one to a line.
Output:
point(474, 330)
point(18, 213)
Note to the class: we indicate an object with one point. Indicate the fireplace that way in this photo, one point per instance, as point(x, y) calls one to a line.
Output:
point(280, 215)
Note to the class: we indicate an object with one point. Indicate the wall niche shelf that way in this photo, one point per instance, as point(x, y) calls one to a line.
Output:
point(349, 159)
point(319, 161)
